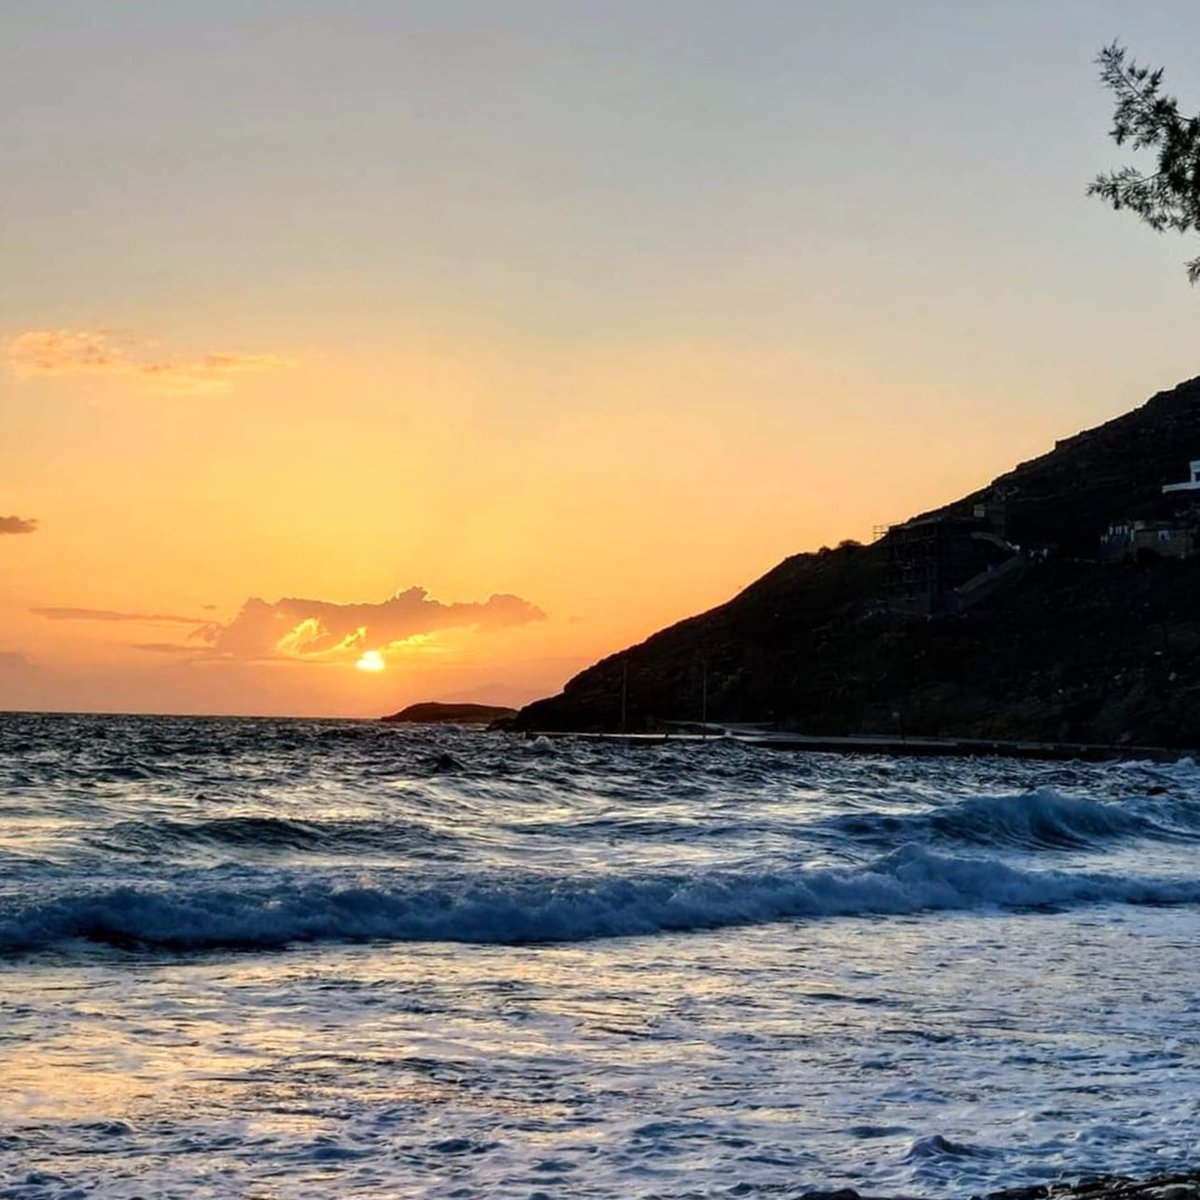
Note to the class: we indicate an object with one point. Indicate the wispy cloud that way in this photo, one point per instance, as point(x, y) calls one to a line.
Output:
point(10, 660)
point(169, 648)
point(105, 614)
point(296, 628)
point(41, 353)
point(17, 525)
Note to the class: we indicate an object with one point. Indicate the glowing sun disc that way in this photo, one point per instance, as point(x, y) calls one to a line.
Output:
point(371, 660)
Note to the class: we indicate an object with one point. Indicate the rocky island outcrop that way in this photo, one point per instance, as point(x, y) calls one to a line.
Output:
point(431, 712)
point(1060, 603)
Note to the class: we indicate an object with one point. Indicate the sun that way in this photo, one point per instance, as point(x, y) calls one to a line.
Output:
point(371, 660)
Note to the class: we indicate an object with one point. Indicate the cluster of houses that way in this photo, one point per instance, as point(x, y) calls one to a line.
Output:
point(942, 564)
point(1176, 536)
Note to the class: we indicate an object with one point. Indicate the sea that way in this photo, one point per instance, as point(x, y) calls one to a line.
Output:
point(293, 958)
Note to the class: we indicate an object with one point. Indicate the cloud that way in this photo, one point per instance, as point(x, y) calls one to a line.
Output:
point(104, 614)
point(168, 648)
point(295, 628)
point(41, 353)
point(10, 660)
point(17, 525)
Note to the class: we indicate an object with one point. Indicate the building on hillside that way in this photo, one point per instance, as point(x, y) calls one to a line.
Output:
point(1192, 484)
point(992, 512)
point(1130, 540)
point(933, 563)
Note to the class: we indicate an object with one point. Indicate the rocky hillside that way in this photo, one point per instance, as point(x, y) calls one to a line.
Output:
point(1067, 646)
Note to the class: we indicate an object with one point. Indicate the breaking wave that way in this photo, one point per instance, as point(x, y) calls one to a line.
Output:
point(1043, 819)
point(527, 910)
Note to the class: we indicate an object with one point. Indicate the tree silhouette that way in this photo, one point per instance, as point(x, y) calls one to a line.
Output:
point(1145, 117)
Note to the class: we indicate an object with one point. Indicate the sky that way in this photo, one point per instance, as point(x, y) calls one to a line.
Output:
point(359, 353)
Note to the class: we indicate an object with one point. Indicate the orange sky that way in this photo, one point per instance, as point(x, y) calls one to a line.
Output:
point(635, 496)
point(529, 308)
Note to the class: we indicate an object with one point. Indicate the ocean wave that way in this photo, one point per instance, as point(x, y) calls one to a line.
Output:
point(254, 834)
point(1043, 819)
point(530, 910)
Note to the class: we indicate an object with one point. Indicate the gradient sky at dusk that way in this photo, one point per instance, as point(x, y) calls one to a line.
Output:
point(326, 323)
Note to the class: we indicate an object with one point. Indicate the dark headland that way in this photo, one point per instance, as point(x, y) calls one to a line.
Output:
point(1061, 603)
point(434, 713)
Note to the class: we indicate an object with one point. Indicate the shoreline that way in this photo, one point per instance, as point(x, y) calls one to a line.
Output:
point(884, 744)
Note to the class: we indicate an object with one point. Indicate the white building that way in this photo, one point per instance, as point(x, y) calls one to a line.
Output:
point(1192, 485)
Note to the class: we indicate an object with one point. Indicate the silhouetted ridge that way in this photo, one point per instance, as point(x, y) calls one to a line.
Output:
point(1068, 496)
point(1003, 614)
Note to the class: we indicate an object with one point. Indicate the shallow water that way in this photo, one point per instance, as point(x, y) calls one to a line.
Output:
point(285, 958)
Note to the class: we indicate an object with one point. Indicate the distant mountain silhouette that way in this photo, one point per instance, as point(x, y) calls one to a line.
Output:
point(1005, 614)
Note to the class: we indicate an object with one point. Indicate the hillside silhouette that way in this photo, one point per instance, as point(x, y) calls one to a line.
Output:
point(1059, 603)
